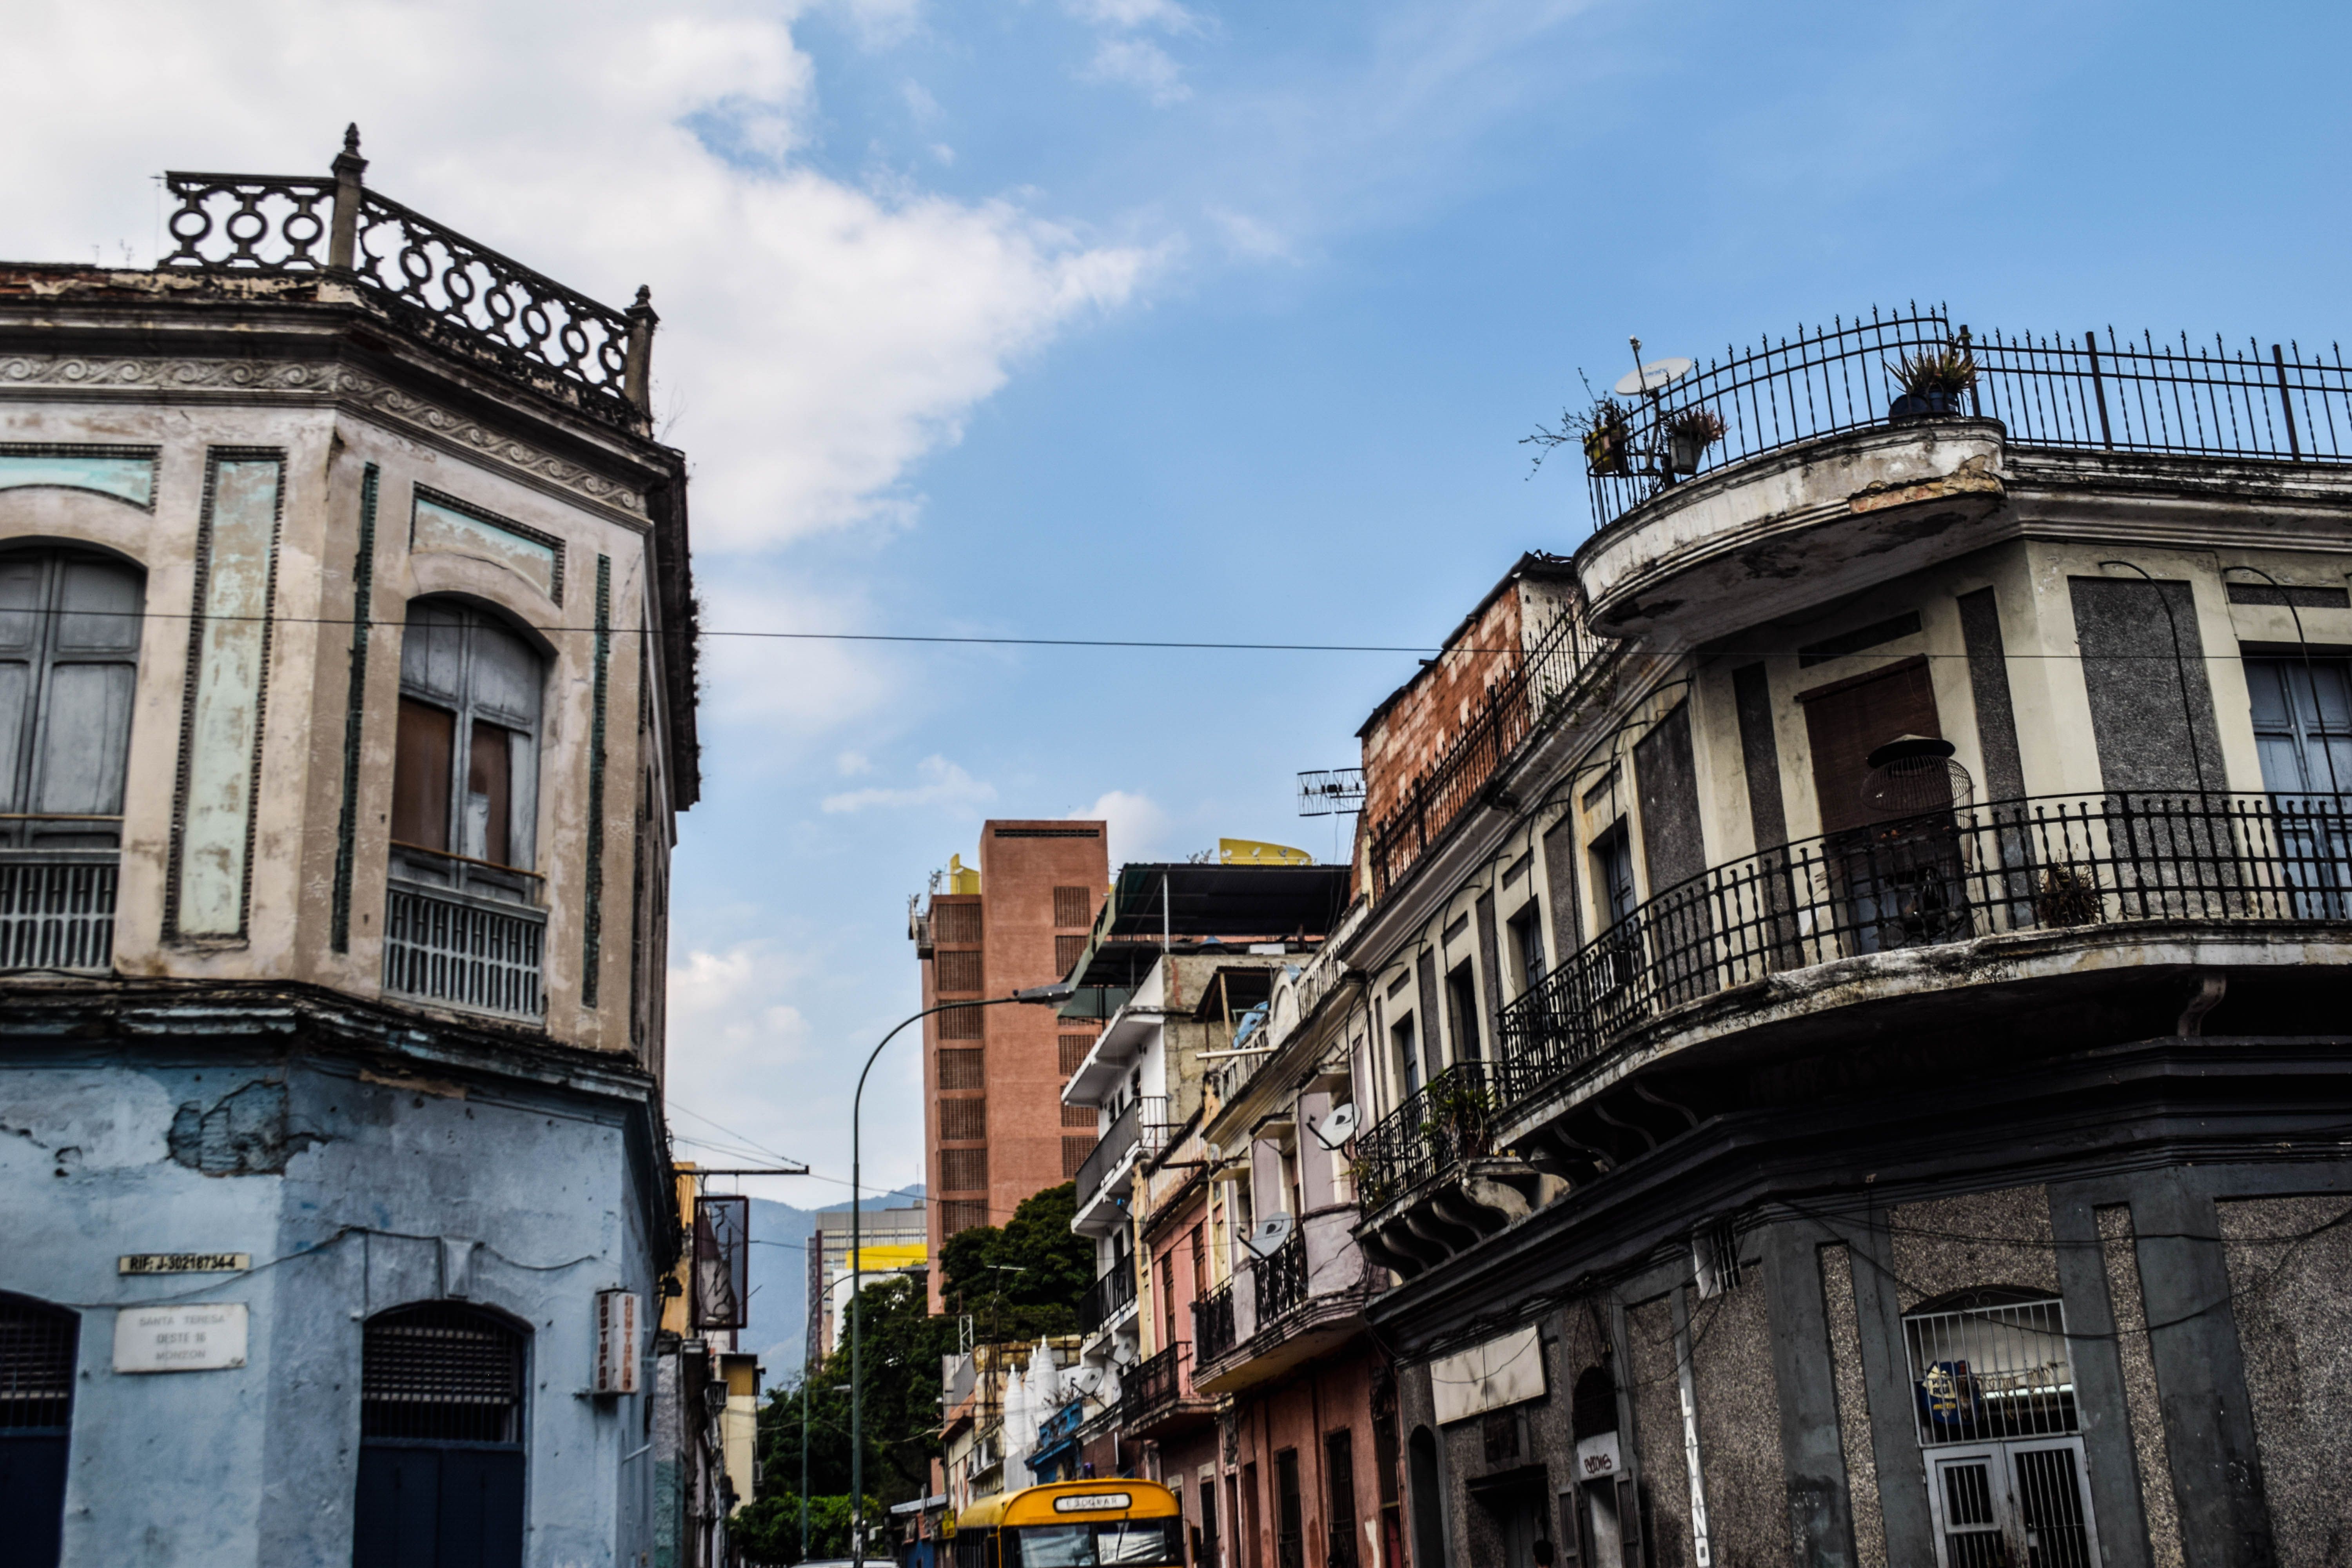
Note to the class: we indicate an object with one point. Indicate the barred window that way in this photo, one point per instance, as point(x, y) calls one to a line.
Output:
point(955, 923)
point(1079, 1116)
point(36, 1366)
point(964, 1170)
point(962, 1023)
point(1990, 1366)
point(961, 1069)
point(1067, 950)
point(962, 1216)
point(1073, 1154)
point(441, 1372)
point(1074, 1051)
point(964, 1119)
point(1074, 906)
point(959, 973)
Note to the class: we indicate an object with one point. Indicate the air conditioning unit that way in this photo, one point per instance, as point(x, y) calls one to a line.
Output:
point(616, 1343)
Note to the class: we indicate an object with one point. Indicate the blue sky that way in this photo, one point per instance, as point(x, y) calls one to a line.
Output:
point(1200, 320)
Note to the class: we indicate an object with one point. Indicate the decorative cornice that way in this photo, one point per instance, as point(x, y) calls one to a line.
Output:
point(353, 387)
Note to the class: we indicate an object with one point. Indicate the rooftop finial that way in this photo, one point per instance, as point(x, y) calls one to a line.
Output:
point(644, 293)
point(351, 138)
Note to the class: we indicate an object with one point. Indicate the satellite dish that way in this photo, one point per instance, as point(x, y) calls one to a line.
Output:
point(1086, 1378)
point(1122, 1352)
point(1337, 1128)
point(1658, 372)
point(1271, 1233)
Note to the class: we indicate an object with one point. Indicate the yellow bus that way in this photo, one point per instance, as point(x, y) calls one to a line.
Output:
point(1113, 1523)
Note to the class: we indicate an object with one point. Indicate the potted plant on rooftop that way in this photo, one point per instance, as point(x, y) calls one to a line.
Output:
point(1933, 379)
point(1689, 434)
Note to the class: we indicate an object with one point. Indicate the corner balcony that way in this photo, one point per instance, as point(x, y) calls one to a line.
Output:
point(1299, 1303)
point(1108, 1170)
point(2043, 908)
point(1827, 469)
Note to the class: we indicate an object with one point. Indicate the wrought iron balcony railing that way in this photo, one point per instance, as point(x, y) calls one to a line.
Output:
point(1142, 1125)
point(56, 909)
point(1154, 1384)
point(1107, 1296)
point(424, 273)
point(2047, 391)
point(1281, 1279)
point(480, 954)
point(2047, 863)
point(1213, 1324)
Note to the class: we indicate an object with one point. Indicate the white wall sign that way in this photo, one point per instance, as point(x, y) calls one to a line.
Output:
point(1504, 1371)
point(1597, 1458)
point(187, 1338)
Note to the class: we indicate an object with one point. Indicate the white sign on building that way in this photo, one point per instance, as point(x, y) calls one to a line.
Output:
point(203, 1337)
point(1504, 1371)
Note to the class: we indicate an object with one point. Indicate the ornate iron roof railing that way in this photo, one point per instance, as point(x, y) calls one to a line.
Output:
point(426, 275)
point(2049, 390)
point(1440, 794)
point(2046, 863)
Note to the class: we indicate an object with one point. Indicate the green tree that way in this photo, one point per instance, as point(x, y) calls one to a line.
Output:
point(768, 1530)
point(1018, 1282)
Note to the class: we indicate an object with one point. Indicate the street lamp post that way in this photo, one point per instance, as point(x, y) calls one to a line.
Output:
point(1038, 995)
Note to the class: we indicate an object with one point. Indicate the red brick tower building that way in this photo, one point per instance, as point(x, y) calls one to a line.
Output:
point(992, 1115)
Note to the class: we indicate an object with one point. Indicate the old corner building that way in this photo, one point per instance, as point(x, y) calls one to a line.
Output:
point(1837, 1054)
point(346, 703)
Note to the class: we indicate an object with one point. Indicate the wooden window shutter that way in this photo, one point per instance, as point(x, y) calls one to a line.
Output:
point(1848, 720)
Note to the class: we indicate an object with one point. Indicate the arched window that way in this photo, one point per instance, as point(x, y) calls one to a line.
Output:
point(465, 795)
point(70, 625)
point(465, 923)
point(1992, 1379)
point(441, 1441)
point(36, 1383)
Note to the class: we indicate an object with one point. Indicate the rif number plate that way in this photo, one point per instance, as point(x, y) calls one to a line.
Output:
point(183, 1263)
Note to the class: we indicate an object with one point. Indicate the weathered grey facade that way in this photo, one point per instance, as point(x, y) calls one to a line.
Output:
point(1857, 1069)
point(347, 700)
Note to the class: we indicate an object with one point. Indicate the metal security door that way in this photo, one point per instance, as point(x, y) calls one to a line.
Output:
point(37, 1349)
point(2012, 1505)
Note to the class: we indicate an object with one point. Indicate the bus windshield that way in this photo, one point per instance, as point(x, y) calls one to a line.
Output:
point(1095, 1543)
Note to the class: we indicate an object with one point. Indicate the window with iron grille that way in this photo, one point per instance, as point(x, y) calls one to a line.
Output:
point(1073, 1154)
point(1074, 906)
point(1289, 1520)
point(441, 1372)
point(959, 973)
point(964, 1170)
point(964, 1119)
point(962, 1070)
point(962, 1216)
point(1989, 1366)
point(1074, 1051)
point(36, 1366)
point(1080, 1116)
point(1067, 950)
point(1339, 1476)
point(956, 925)
point(962, 1022)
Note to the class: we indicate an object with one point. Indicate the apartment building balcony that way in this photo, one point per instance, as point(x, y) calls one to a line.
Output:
point(1297, 1303)
point(2022, 913)
point(1160, 1400)
point(1109, 1169)
point(1827, 470)
point(56, 909)
point(1110, 1301)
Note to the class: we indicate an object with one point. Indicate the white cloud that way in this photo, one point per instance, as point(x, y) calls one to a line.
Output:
point(1138, 62)
point(944, 784)
point(853, 764)
point(1165, 14)
point(818, 336)
point(1138, 827)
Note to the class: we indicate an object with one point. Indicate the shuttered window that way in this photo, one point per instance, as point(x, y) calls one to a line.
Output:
point(956, 925)
point(964, 1119)
point(959, 973)
point(962, 1216)
point(70, 629)
point(1074, 1051)
point(1074, 906)
point(1073, 1154)
point(964, 1170)
point(1848, 720)
point(962, 1023)
point(1067, 950)
point(962, 1070)
point(1079, 1116)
